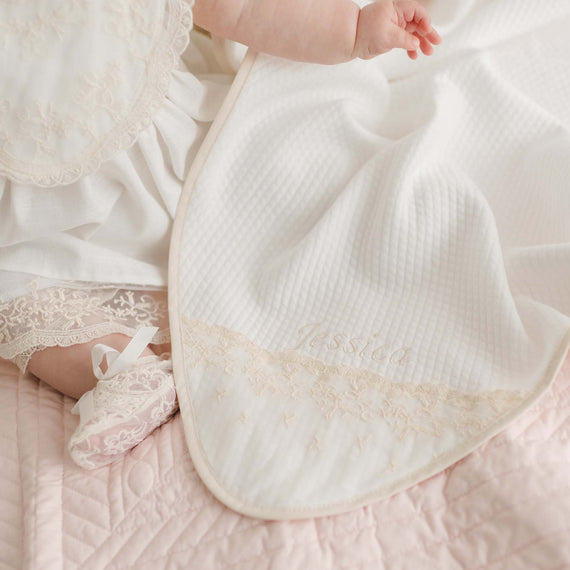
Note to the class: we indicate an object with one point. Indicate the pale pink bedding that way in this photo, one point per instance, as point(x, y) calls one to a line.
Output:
point(507, 505)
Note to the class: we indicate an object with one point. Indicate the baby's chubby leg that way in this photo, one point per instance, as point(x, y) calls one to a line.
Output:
point(124, 389)
point(117, 410)
point(69, 369)
point(134, 394)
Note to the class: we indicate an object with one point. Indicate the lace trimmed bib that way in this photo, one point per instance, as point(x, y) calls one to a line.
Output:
point(80, 80)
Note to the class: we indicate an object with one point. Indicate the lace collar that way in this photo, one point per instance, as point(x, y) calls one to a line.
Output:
point(80, 80)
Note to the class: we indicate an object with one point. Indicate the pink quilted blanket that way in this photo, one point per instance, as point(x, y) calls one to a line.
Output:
point(507, 505)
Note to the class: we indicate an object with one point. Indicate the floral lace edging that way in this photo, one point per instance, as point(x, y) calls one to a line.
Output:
point(62, 316)
point(342, 391)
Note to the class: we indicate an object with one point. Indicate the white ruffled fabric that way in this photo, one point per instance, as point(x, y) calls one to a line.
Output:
point(113, 226)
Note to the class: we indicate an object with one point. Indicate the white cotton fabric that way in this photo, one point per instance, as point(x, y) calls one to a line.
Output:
point(113, 226)
point(370, 266)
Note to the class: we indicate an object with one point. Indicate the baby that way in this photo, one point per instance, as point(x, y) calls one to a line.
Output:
point(317, 31)
point(320, 31)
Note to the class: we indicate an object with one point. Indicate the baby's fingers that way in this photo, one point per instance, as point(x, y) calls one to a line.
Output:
point(413, 54)
point(415, 18)
point(402, 39)
point(410, 11)
point(425, 29)
point(432, 36)
point(425, 46)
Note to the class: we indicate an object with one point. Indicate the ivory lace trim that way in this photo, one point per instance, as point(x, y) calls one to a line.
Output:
point(64, 316)
point(49, 143)
point(355, 394)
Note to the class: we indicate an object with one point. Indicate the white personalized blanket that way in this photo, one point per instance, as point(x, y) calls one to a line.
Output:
point(370, 267)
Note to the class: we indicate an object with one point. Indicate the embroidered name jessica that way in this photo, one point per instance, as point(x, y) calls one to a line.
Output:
point(313, 336)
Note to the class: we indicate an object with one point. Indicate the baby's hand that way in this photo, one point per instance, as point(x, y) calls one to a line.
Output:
point(384, 25)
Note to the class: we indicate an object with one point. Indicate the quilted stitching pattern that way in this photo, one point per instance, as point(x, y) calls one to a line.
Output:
point(10, 495)
point(404, 203)
point(506, 505)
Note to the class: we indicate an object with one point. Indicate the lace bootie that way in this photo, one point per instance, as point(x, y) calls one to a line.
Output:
point(130, 400)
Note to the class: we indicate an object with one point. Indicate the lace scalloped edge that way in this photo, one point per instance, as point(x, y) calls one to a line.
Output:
point(21, 351)
point(126, 133)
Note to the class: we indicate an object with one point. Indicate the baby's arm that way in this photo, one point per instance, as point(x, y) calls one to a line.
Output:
point(320, 31)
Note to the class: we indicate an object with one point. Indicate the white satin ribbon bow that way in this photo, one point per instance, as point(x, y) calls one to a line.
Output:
point(116, 362)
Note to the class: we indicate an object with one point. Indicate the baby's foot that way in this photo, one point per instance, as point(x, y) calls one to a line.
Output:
point(124, 407)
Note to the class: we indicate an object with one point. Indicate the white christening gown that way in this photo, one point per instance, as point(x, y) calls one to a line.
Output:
point(103, 107)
